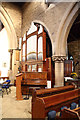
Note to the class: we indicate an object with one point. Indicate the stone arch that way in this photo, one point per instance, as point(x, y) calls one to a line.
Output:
point(12, 37)
point(38, 21)
point(9, 28)
point(61, 40)
point(64, 29)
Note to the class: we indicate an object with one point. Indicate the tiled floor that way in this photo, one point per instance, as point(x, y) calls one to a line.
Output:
point(11, 108)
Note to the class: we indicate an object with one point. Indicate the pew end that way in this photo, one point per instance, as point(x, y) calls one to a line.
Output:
point(69, 114)
point(38, 109)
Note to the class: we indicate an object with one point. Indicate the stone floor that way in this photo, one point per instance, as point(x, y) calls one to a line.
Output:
point(11, 108)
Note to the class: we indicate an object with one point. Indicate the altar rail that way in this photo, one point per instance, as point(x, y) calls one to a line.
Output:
point(75, 82)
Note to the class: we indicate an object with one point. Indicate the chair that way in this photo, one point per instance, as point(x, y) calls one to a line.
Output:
point(6, 86)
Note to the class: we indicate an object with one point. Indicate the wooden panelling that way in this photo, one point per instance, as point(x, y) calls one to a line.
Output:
point(35, 75)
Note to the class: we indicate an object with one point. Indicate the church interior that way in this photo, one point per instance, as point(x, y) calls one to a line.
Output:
point(40, 60)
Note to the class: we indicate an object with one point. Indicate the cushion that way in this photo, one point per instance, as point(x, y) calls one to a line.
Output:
point(7, 80)
point(51, 115)
point(73, 106)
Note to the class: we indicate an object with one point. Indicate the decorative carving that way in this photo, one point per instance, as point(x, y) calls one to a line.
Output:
point(59, 58)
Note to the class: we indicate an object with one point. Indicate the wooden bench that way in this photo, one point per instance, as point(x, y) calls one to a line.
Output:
point(72, 114)
point(50, 91)
point(41, 106)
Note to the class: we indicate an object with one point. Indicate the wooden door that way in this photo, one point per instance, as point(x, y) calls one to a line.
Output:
point(67, 68)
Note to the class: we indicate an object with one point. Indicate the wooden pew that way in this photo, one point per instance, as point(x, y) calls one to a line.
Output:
point(72, 114)
point(41, 106)
point(50, 91)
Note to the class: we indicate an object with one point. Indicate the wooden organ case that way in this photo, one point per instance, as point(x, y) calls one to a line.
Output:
point(34, 60)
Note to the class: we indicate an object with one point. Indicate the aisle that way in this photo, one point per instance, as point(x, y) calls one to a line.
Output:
point(11, 108)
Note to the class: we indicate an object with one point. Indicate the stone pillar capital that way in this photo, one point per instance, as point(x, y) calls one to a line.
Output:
point(58, 58)
point(10, 50)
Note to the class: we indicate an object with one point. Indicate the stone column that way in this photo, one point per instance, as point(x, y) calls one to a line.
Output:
point(11, 53)
point(59, 70)
point(10, 72)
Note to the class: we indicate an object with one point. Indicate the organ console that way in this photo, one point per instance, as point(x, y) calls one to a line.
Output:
point(29, 79)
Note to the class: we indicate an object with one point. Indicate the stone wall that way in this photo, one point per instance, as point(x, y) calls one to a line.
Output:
point(74, 50)
point(15, 14)
point(50, 17)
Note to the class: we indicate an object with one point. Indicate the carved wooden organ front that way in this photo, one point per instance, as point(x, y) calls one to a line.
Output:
point(35, 52)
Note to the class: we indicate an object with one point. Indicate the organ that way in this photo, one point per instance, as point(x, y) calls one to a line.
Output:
point(36, 62)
